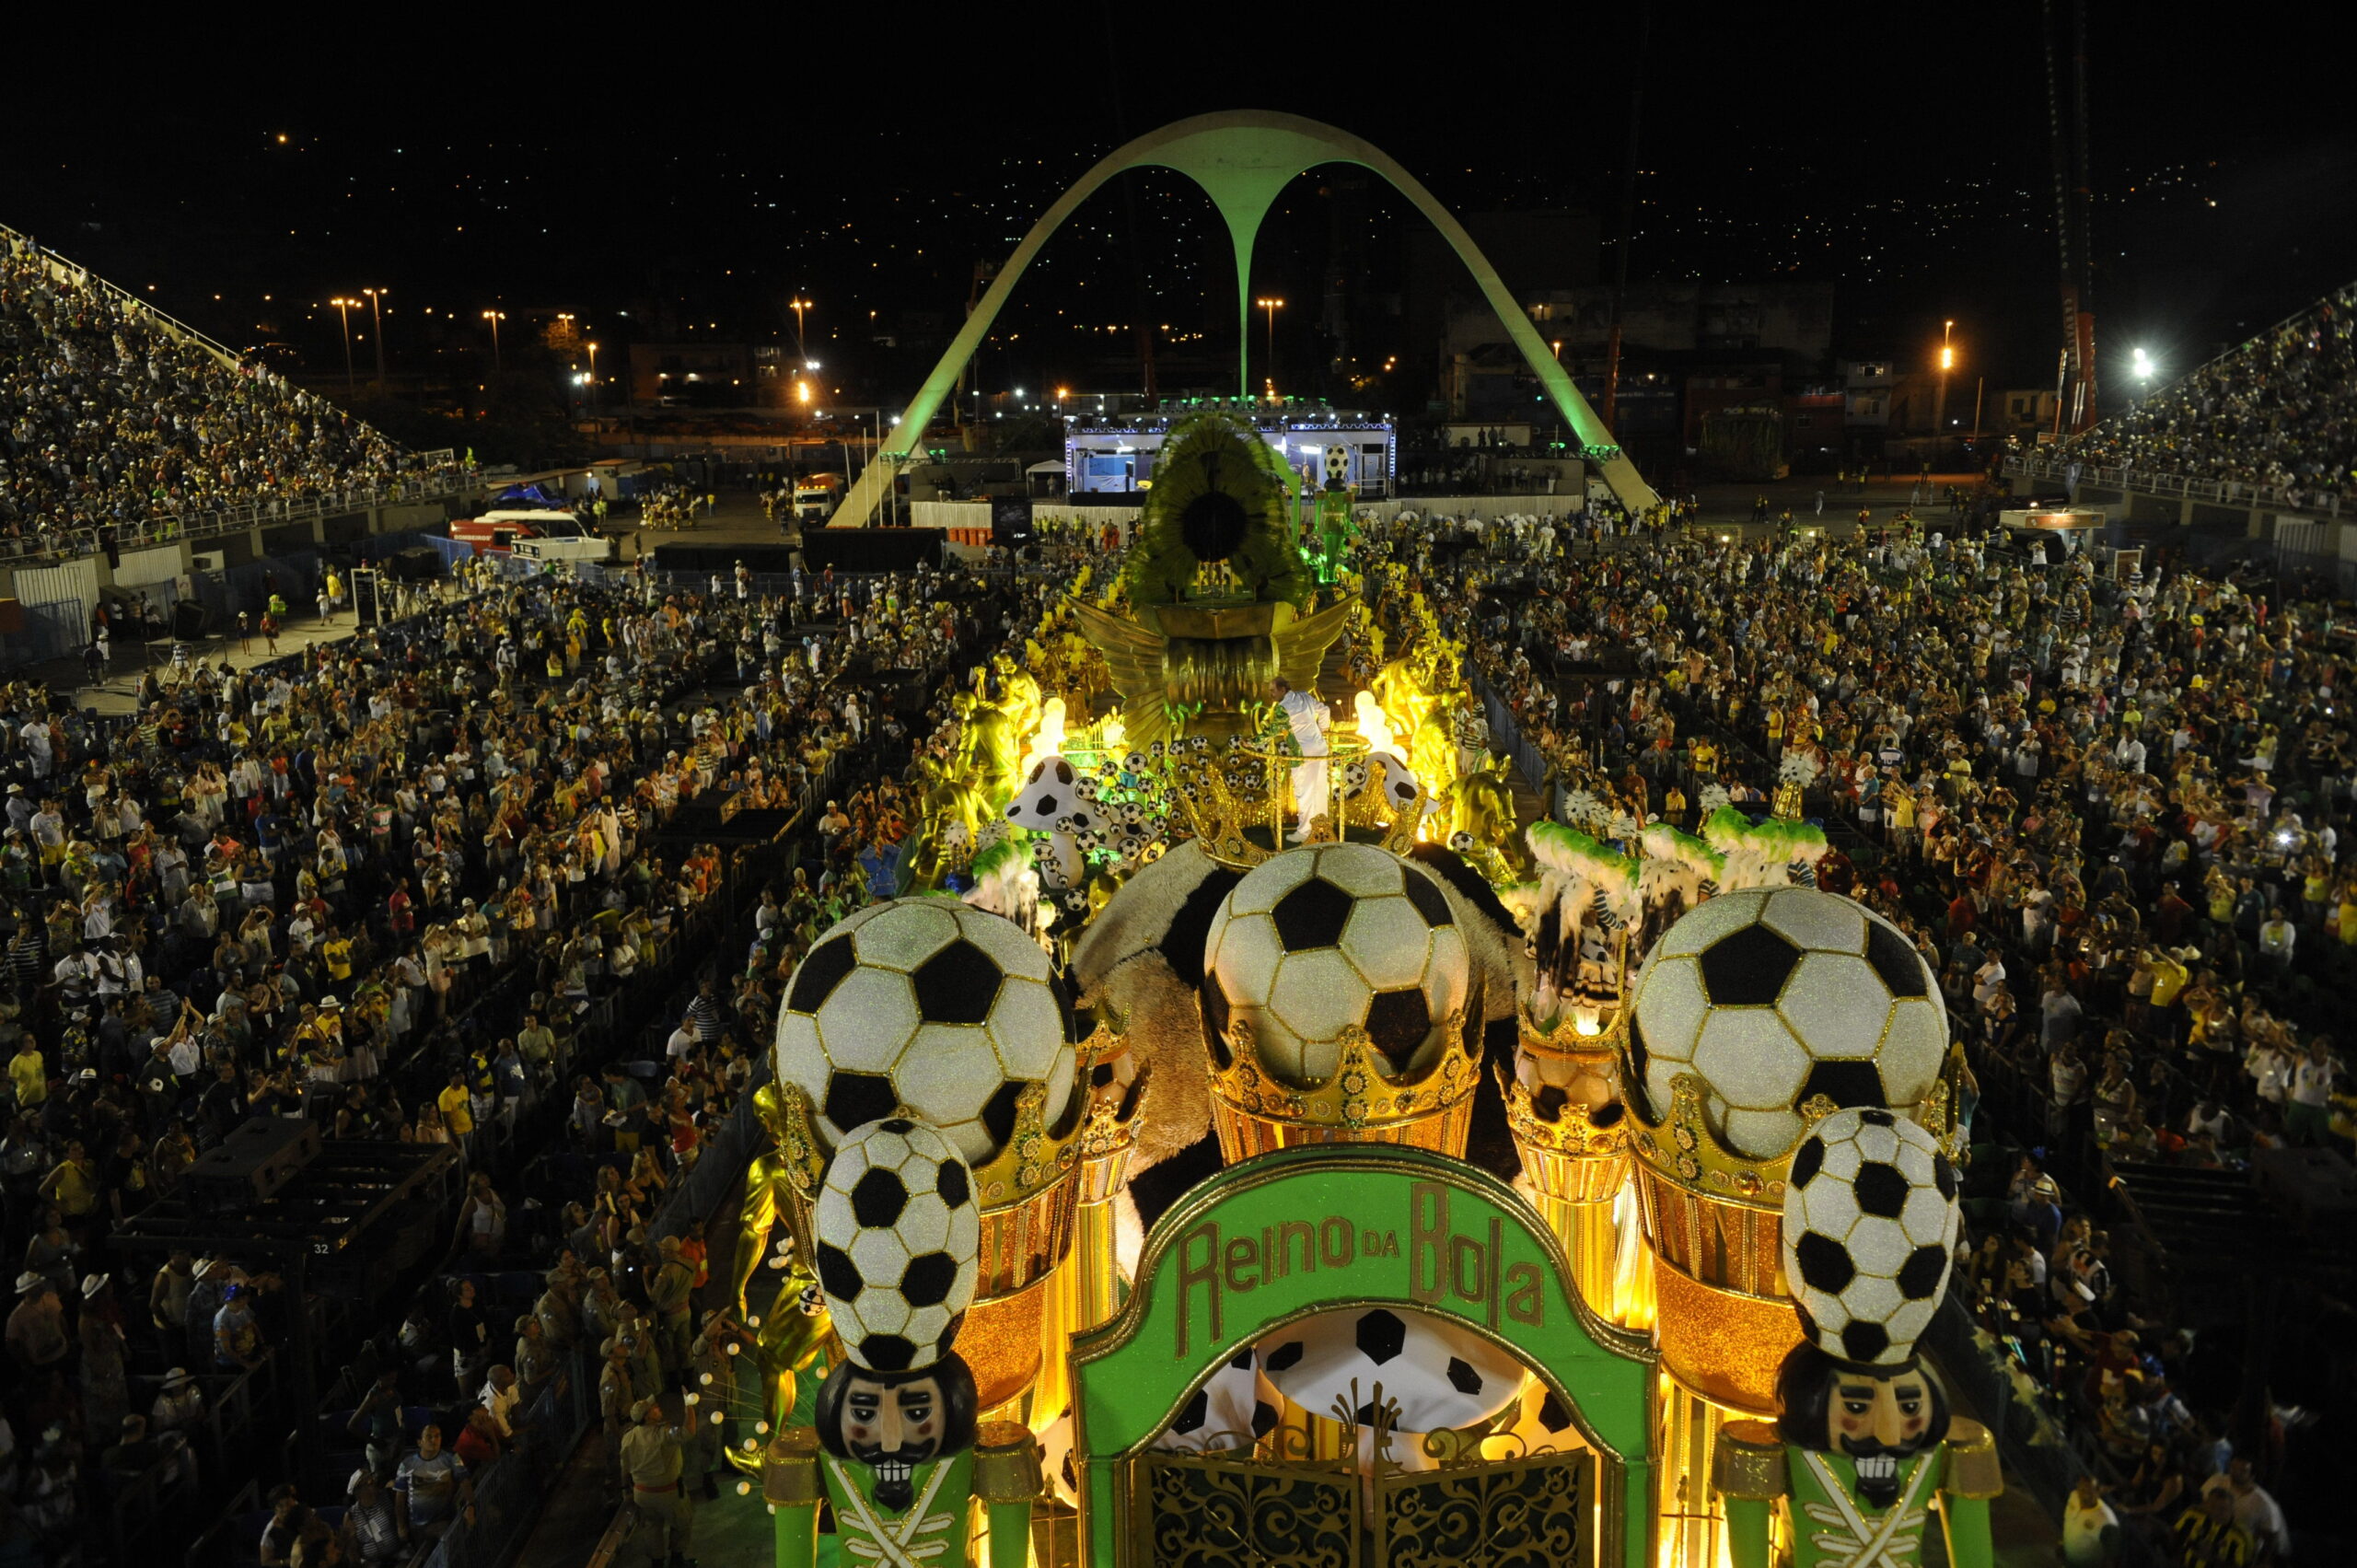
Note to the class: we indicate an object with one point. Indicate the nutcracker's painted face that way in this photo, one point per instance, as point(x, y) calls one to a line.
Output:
point(894, 1422)
point(1877, 1416)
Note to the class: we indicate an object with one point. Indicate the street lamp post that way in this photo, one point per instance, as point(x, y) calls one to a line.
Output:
point(593, 377)
point(1940, 407)
point(1272, 306)
point(344, 311)
point(494, 317)
point(377, 325)
point(798, 305)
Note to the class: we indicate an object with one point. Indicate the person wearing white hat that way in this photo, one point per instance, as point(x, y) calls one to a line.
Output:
point(36, 1333)
point(181, 1403)
point(106, 1381)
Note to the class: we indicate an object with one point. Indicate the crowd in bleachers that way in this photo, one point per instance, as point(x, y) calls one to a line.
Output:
point(109, 418)
point(2113, 814)
point(392, 886)
point(2279, 411)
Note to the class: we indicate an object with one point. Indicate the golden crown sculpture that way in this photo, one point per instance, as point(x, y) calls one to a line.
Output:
point(1577, 1150)
point(1109, 1140)
point(1254, 1111)
point(1715, 1220)
point(1223, 791)
point(1569, 1123)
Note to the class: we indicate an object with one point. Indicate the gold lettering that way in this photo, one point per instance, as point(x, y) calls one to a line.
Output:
point(1464, 1256)
point(1497, 1260)
point(1335, 1240)
point(1191, 1274)
point(1243, 1253)
point(1280, 1263)
point(1524, 1304)
point(1427, 1236)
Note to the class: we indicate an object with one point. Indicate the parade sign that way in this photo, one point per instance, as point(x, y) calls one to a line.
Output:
point(1307, 1230)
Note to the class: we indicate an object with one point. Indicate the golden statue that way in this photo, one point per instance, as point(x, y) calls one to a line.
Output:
point(988, 746)
point(1481, 803)
point(951, 800)
point(788, 1339)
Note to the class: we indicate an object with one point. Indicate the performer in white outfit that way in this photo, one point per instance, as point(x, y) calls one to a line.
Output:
point(1307, 718)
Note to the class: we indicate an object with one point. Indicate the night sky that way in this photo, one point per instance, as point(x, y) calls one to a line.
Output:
point(697, 170)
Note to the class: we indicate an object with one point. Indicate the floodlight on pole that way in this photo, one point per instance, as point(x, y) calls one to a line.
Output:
point(1272, 306)
point(494, 317)
point(376, 324)
point(2142, 363)
point(344, 311)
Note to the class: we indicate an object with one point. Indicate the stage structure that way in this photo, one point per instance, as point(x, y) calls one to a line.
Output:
point(1243, 160)
point(1112, 456)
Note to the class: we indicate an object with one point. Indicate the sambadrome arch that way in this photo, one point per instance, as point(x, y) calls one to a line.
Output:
point(1242, 159)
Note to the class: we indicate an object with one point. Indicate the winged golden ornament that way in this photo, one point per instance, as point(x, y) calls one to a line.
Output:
point(1219, 586)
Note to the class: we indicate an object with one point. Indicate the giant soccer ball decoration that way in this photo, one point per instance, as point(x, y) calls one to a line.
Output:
point(898, 1232)
point(1326, 936)
point(1433, 1374)
point(1870, 1225)
point(1775, 996)
point(1235, 1407)
point(933, 1006)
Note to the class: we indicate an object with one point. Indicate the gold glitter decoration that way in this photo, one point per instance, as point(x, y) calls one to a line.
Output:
point(999, 1341)
point(1724, 1345)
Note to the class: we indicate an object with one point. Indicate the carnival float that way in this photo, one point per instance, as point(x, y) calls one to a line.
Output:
point(1245, 1141)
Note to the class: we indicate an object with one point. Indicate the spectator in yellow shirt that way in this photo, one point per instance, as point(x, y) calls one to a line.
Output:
point(457, 1115)
point(29, 1073)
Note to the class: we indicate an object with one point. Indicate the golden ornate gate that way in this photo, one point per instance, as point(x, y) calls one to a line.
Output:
point(1230, 1510)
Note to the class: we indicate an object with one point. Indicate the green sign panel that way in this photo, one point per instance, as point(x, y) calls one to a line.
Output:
point(1307, 1230)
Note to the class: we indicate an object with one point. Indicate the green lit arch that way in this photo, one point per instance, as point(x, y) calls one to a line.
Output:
point(1243, 158)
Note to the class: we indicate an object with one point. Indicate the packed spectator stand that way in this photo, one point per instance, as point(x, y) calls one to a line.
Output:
point(2115, 816)
point(2274, 418)
point(426, 887)
point(115, 418)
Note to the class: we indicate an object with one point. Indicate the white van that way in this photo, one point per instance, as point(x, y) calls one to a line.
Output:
point(589, 547)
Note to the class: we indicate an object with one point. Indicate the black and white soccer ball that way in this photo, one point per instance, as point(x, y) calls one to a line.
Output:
point(932, 1007)
point(1775, 996)
point(1325, 936)
point(1235, 1407)
point(1543, 1420)
point(1058, 1463)
point(1870, 1228)
point(1051, 796)
point(1337, 464)
point(1435, 1373)
point(898, 1234)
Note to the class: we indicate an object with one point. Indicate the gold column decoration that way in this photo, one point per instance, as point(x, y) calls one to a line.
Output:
point(1565, 1108)
point(1254, 1112)
point(1028, 1195)
point(1109, 1140)
point(1715, 1219)
point(790, 1468)
point(1690, 1524)
point(1006, 1464)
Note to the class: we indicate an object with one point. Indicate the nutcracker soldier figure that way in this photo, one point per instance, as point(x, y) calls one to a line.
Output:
point(1865, 1445)
point(895, 1449)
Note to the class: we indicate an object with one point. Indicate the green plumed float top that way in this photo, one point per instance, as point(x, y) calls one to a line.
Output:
point(1219, 494)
